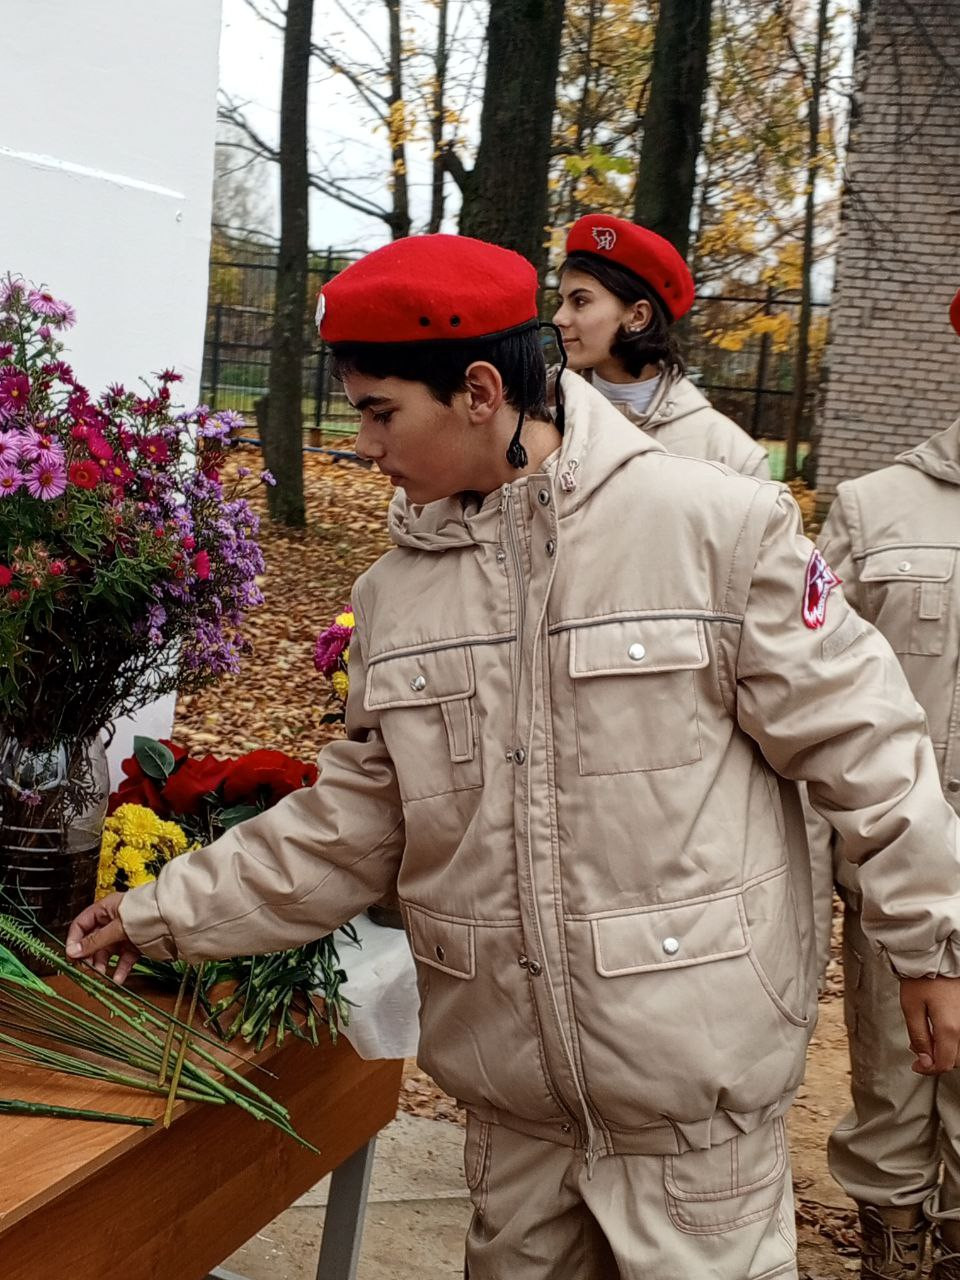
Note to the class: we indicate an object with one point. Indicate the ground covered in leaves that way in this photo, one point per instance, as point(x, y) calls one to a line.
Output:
point(278, 700)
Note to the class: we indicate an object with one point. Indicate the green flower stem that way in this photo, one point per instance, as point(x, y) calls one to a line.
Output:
point(16, 1107)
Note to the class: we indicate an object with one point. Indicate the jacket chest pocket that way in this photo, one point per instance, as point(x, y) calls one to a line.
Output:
point(910, 594)
point(428, 716)
point(634, 693)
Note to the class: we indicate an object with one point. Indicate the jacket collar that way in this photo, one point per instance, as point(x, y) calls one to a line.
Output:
point(938, 457)
point(675, 398)
point(597, 441)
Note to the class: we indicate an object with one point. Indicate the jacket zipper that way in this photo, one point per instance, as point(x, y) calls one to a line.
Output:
point(506, 508)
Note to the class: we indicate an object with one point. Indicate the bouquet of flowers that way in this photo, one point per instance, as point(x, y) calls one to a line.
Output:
point(169, 802)
point(331, 657)
point(126, 565)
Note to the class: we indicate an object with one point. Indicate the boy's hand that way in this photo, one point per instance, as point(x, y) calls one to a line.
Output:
point(931, 1008)
point(97, 934)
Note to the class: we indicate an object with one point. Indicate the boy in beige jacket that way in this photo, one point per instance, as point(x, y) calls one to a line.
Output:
point(894, 538)
point(582, 686)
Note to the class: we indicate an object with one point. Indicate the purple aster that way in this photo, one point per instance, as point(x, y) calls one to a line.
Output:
point(10, 479)
point(46, 479)
point(267, 477)
point(45, 332)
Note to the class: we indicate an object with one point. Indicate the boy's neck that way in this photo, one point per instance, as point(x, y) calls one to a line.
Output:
point(540, 438)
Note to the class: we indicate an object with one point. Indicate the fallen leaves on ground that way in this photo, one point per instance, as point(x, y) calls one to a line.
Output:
point(278, 700)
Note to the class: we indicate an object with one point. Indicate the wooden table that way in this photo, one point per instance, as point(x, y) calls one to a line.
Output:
point(91, 1201)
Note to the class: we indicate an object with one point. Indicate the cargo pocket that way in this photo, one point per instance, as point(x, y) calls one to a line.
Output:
point(635, 700)
point(476, 1153)
point(910, 595)
point(729, 1186)
point(428, 715)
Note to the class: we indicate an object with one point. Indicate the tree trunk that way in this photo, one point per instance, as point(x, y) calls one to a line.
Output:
point(283, 443)
point(667, 174)
point(505, 195)
point(400, 222)
point(800, 379)
point(436, 121)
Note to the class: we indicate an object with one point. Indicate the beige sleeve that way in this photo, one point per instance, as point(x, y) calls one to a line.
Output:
point(293, 873)
point(831, 707)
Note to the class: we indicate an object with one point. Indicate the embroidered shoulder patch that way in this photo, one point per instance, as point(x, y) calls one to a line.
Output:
point(819, 582)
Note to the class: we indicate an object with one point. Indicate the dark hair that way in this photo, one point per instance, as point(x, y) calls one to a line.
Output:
point(657, 344)
point(442, 365)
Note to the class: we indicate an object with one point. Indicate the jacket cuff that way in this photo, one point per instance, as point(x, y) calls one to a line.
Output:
point(144, 924)
point(943, 961)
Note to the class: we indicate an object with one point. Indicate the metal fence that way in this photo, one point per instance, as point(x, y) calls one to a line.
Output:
point(739, 349)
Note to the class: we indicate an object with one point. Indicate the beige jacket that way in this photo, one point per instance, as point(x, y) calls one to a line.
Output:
point(893, 537)
point(568, 710)
point(684, 421)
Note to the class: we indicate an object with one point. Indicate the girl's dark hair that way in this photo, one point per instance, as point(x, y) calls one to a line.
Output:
point(657, 344)
point(442, 366)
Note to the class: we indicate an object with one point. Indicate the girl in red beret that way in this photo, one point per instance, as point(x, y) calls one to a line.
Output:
point(621, 289)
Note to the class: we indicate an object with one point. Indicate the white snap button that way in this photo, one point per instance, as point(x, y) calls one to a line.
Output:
point(636, 652)
point(671, 946)
point(543, 497)
point(904, 566)
point(519, 755)
point(418, 684)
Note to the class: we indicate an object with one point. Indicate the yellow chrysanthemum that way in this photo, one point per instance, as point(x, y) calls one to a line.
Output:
point(341, 684)
point(345, 619)
point(134, 837)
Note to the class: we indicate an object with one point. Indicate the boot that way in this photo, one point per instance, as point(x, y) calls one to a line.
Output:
point(946, 1263)
point(892, 1243)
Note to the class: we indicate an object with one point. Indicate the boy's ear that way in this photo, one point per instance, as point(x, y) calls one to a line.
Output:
point(484, 389)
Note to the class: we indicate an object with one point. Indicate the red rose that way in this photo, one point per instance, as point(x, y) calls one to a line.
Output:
point(6, 576)
point(194, 779)
point(271, 772)
point(138, 787)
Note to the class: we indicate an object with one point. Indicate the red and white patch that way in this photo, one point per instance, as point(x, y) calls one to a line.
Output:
point(819, 582)
point(605, 238)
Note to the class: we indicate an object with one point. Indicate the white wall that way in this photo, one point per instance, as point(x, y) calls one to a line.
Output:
point(106, 165)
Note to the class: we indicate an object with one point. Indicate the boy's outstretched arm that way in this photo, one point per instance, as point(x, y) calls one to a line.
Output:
point(283, 878)
point(829, 705)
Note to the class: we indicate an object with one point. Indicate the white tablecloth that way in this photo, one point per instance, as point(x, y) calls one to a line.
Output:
point(382, 988)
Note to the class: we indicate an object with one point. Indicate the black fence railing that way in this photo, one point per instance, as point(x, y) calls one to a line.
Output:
point(741, 351)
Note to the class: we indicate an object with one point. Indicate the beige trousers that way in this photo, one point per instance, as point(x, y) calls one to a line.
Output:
point(723, 1214)
point(888, 1150)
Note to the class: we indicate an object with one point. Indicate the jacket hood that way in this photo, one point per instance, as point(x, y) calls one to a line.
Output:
point(939, 456)
point(676, 398)
point(597, 441)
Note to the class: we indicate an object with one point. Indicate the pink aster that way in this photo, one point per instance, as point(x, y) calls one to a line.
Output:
point(6, 350)
point(35, 445)
point(201, 565)
point(118, 473)
point(10, 479)
point(46, 479)
point(9, 447)
point(14, 394)
point(42, 303)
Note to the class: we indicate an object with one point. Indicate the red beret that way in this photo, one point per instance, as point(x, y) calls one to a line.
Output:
point(955, 312)
point(647, 255)
point(429, 287)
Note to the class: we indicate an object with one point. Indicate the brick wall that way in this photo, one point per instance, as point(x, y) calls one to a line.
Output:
point(893, 361)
